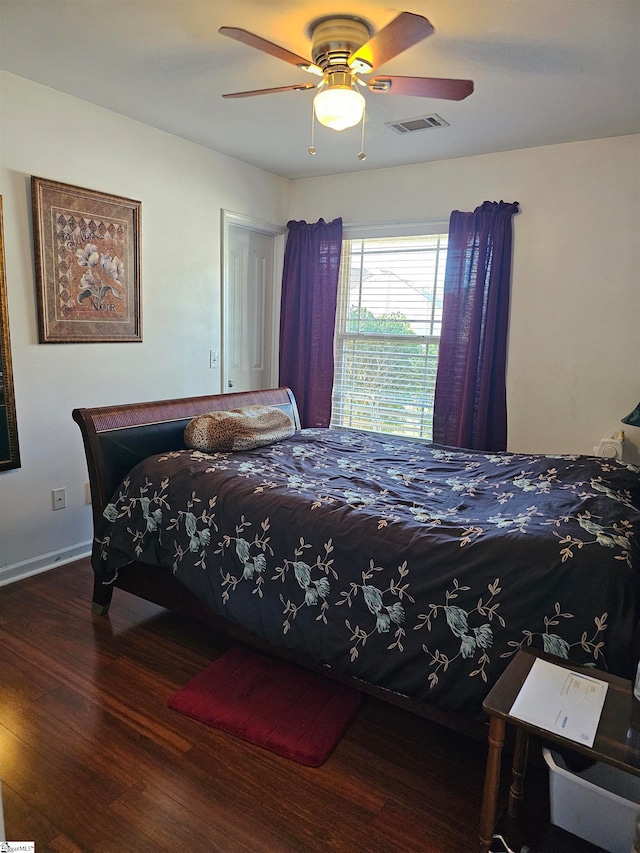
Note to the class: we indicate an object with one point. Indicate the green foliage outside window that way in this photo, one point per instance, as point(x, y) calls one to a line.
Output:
point(384, 377)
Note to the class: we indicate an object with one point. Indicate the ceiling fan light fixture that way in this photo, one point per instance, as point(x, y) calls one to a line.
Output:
point(339, 107)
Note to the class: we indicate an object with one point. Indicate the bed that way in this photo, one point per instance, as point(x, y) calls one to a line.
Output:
point(412, 570)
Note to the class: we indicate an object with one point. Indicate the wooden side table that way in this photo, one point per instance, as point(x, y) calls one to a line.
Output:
point(610, 745)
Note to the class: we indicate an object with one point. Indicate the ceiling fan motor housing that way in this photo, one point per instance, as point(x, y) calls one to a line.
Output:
point(335, 39)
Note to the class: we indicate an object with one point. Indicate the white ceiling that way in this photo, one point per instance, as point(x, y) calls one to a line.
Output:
point(545, 72)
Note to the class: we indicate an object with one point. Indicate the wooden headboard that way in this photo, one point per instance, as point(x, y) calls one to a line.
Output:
point(116, 438)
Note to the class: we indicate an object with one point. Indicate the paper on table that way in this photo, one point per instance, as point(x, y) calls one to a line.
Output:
point(561, 701)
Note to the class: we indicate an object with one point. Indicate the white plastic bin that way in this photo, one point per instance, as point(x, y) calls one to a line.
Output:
point(600, 804)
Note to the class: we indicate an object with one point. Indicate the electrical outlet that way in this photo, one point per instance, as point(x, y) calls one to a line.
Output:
point(58, 499)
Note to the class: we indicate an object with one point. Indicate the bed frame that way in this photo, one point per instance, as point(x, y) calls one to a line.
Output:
point(115, 439)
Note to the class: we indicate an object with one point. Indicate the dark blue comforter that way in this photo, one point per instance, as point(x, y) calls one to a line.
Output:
point(419, 568)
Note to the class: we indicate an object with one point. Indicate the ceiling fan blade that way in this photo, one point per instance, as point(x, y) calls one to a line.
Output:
point(269, 47)
point(424, 87)
point(297, 88)
point(401, 33)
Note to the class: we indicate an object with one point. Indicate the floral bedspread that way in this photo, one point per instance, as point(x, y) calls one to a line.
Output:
point(416, 567)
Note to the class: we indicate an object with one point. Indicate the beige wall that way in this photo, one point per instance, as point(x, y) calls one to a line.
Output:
point(574, 363)
point(183, 188)
point(574, 343)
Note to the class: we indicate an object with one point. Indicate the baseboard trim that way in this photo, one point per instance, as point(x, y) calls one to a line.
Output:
point(36, 565)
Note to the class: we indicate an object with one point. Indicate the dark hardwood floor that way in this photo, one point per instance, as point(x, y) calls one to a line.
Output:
point(91, 758)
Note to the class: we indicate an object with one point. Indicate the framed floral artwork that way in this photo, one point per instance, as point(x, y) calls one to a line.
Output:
point(87, 255)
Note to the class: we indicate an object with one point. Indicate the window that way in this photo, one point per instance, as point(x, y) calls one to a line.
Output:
point(388, 323)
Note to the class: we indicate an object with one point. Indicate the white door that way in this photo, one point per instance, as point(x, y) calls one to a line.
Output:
point(251, 310)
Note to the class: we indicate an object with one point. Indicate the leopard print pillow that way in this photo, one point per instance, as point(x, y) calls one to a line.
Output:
point(238, 429)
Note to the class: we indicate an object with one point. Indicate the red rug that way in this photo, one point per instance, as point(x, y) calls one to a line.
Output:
point(280, 707)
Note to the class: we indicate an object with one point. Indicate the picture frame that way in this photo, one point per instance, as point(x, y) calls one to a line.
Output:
point(9, 449)
point(87, 259)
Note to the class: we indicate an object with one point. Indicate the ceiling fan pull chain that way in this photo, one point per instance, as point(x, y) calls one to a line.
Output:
point(312, 150)
point(362, 155)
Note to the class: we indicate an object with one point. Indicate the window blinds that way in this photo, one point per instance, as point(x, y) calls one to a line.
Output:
point(387, 334)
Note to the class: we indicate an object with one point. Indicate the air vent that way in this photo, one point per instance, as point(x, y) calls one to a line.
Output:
point(411, 125)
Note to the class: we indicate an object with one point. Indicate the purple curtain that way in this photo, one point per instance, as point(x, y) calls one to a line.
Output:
point(470, 405)
point(308, 314)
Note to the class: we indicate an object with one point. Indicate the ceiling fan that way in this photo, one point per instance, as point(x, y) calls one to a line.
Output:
point(343, 48)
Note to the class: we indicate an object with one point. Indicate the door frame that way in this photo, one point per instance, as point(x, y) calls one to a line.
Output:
point(278, 233)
